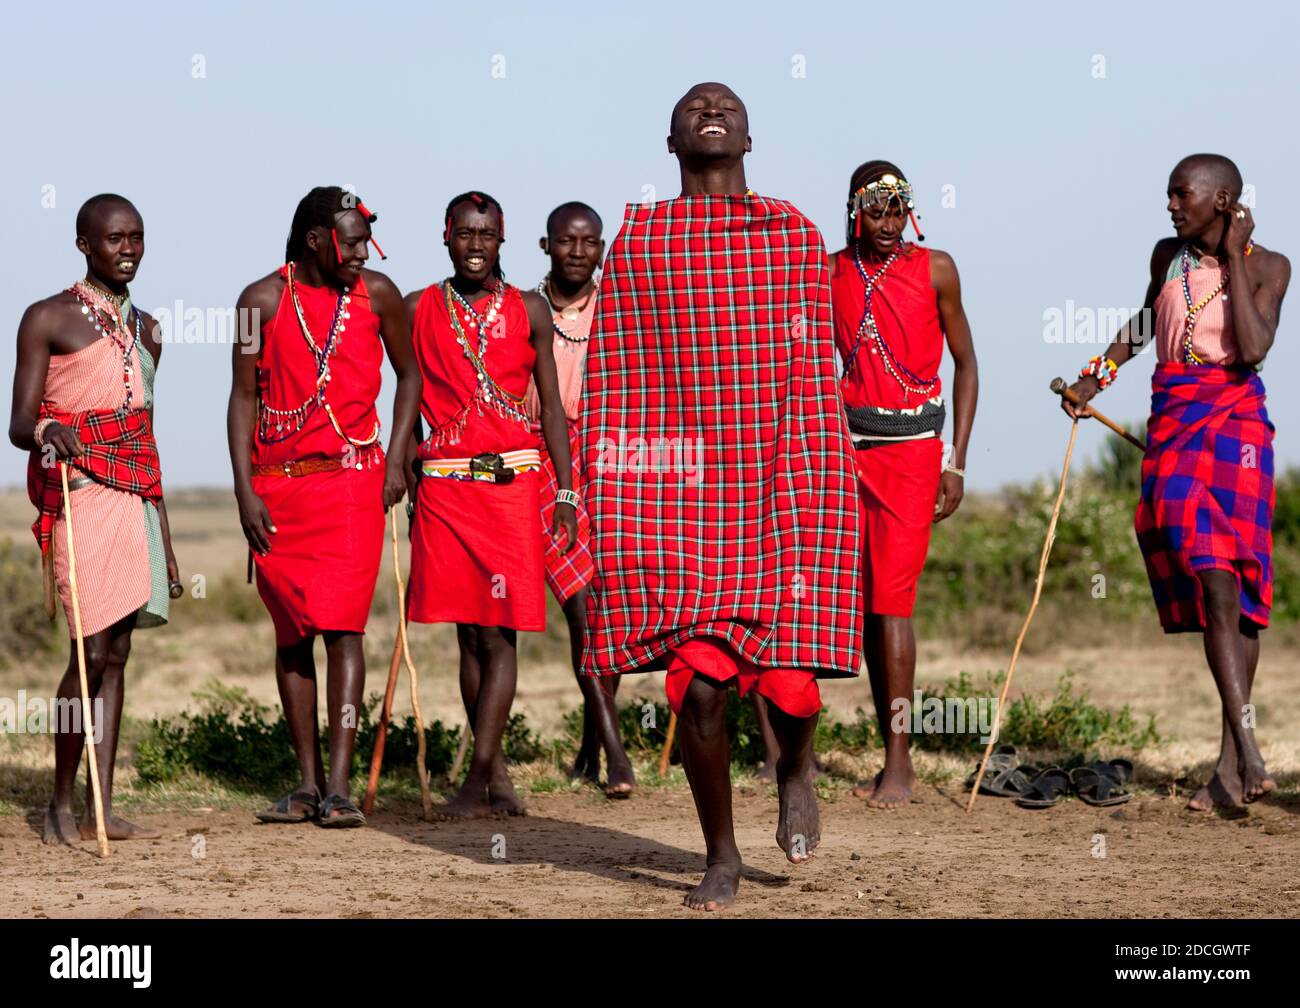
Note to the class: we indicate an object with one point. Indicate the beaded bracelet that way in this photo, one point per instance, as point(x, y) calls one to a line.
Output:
point(38, 432)
point(954, 469)
point(1103, 369)
point(567, 497)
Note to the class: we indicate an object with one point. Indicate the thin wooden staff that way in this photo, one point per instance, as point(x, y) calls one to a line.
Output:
point(460, 753)
point(377, 758)
point(1038, 591)
point(422, 768)
point(668, 744)
point(1064, 391)
point(87, 721)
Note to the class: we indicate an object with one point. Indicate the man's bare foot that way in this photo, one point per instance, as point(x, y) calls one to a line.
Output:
point(1220, 791)
point(622, 779)
point(867, 789)
point(586, 766)
point(468, 803)
point(717, 890)
point(60, 827)
point(798, 828)
point(118, 829)
point(894, 786)
point(1255, 780)
point(766, 772)
point(503, 799)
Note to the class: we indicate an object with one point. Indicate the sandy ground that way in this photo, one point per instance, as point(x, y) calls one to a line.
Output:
point(578, 855)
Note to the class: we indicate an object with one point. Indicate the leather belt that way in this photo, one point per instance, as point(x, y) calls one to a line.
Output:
point(303, 467)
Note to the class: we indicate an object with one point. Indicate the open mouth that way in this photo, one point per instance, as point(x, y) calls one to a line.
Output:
point(712, 129)
point(127, 265)
point(475, 262)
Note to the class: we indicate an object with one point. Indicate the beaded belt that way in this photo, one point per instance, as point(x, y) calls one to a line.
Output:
point(870, 424)
point(488, 467)
point(298, 468)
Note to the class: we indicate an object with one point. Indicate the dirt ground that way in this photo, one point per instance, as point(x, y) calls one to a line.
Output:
point(578, 855)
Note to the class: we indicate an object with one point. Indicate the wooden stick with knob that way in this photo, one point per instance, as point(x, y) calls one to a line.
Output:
point(87, 720)
point(668, 744)
point(1063, 390)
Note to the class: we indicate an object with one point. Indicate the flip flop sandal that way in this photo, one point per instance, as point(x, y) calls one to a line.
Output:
point(1046, 789)
point(1120, 769)
point(1003, 776)
point(1099, 789)
point(348, 814)
point(281, 812)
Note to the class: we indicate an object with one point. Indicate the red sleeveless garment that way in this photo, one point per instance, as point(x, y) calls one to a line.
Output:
point(897, 481)
point(324, 559)
point(476, 556)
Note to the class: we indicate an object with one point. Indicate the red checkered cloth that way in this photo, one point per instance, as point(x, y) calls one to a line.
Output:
point(1207, 491)
point(715, 453)
point(566, 573)
point(120, 453)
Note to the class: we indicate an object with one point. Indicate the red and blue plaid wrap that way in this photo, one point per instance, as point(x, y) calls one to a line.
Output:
point(120, 452)
point(1207, 491)
point(716, 458)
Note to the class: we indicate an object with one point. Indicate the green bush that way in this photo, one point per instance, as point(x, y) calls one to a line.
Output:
point(24, 627)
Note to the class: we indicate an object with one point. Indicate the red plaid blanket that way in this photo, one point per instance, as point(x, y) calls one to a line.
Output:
point(120, 452)
point(1207, 491)
point(715, 453)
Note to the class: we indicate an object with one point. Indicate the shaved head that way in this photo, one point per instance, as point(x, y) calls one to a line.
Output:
point(1214, 171)
point(94, 207)
point(707, 87)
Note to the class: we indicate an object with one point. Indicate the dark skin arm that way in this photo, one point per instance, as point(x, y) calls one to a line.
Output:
point(554, 425)
point(395, 331)
point(965, 379)
point(1265, 275)
point(256, 305)
point(43, 332)
point(153, 346)
point(415, 434)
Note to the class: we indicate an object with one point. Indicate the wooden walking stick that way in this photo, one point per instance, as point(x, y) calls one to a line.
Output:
point(87, 721)
point(460, 753)
point(1038, 591)
point(377, 757)
point(422, 769)
point(1063, 390)
point(668, 744)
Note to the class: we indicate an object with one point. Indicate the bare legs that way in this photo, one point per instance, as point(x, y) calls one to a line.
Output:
point(890, 649)
point(1232, 650)
point(488, 674)
point(706, 757)
point(295, 677)
point(106, 655)
point(599, 713)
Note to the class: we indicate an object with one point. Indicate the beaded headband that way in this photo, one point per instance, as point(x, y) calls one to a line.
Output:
point(883, 192)
point(480, 203)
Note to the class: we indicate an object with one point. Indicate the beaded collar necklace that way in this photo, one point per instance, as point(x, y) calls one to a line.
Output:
point(867, 327)
point(294, 419)
point(569, 312)
point(486, 391)
point(95, 305)
point(1193, 310)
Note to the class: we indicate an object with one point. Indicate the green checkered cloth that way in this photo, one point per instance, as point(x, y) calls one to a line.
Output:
point(154, 612)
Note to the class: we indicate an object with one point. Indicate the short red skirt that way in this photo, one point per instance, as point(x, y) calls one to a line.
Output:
point(476, 556)
point(793, 690)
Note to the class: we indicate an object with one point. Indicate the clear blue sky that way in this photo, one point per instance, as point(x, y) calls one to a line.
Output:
point(1058, 173)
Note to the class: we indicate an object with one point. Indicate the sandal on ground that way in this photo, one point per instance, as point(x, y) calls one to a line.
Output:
point(1101, 788)
point(347, 814)
point(282, 812)
point(1046, 789)
point(1003, 776)
point(1120, 769)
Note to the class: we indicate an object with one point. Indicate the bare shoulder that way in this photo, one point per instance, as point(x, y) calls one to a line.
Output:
point(264, 293)
point(943, 271)
point(1162, 254)
point(46, 315)
point(380, 287)
point(412, 300)
point(1272, 267)
point(153, 333)
point(539, 312)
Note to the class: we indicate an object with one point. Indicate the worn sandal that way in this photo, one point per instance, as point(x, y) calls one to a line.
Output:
point(1003, 777)
point(1046, 789)
point(281, 812)
point(1101, 788)
point(347, 814)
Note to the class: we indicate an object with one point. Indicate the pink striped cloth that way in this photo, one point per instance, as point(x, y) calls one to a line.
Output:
point(113, 575)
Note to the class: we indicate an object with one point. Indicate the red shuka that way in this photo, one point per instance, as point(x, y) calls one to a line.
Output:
point(476, 556)
point(898, 482)
point(324, 559)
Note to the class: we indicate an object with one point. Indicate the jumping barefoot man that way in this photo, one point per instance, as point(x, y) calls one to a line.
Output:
point(476, 557)
point(724, 515)
point(311, 477)
point(895, 304)
point(574, 244)
point(1204, 520)
point(83, 394)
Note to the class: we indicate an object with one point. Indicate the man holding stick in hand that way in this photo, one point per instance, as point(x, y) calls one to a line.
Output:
point(1204, 520)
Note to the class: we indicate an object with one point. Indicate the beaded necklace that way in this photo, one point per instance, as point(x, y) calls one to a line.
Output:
point(569, 312)
point(1189, 324)
point(487, 390)
point(295, 418)
point(93, 306)
point(868, 328)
